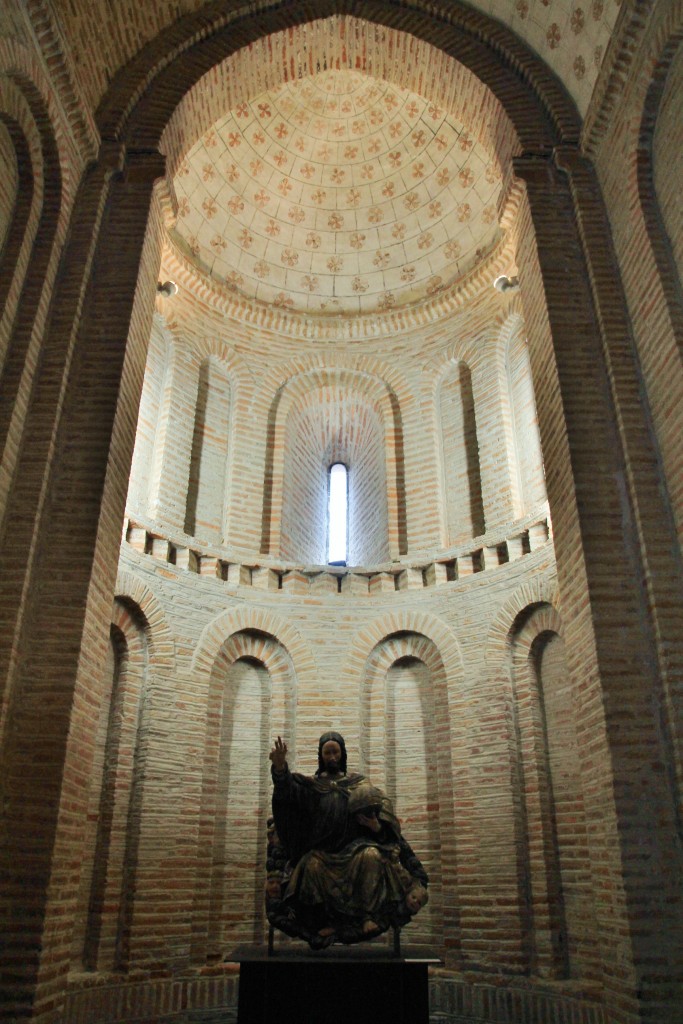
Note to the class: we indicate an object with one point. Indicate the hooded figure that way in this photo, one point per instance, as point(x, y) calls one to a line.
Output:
point(350, 874)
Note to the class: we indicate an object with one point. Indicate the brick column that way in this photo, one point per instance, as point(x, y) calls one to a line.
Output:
point(593, 494)
point(58, 561)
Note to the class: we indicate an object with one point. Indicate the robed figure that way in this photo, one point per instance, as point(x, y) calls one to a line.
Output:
point(339, 869)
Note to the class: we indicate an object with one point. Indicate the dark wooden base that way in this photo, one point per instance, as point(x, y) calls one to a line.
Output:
point(327, 990)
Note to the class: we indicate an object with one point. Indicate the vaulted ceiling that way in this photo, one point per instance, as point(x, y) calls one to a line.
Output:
point(337, 193)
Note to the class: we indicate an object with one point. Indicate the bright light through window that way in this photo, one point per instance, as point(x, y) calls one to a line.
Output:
point(337, 514)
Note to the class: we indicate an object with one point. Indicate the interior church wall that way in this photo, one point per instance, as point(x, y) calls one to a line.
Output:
point(484, 665)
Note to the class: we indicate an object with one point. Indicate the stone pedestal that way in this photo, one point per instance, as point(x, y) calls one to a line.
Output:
point(364, 988)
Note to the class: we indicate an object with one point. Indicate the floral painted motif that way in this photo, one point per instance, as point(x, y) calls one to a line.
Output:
point(425, 240)
point(579, 67)
point(443, 176)
point(464, 212)
point(335, 221)
point(209, 207)
point(261, 269)
point(381, 259)
point(273, 228)
point(290, 257)
point(313, 240)
point(359, 285)
point(408, 273)
point(245, 239)
point(218, 243)
point(208, 172)
point(334, 264)
point(310, 282)
point(235, 205)
point(375, 214)
point(466, 177)
point(553, 35)
point(577, 20)
point(357, 240)
point(452, 250)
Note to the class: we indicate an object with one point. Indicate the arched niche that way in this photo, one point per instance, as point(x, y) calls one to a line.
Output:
point(555, 869)
point(316, 419)
point(107, 884)
point(146, 468)
point(251, 697)
point(461, 470)
point(405, 748)
point(205, 510)
point(528, 477)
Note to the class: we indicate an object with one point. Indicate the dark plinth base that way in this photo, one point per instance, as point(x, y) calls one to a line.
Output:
point(319, 989)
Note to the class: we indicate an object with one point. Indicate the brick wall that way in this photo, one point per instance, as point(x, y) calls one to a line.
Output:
point(521, 710)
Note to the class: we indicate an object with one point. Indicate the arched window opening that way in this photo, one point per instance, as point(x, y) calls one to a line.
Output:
point(337, 514)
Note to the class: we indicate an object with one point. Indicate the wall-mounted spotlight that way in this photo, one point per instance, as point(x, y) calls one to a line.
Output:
point(505, 283)
point(168, 289)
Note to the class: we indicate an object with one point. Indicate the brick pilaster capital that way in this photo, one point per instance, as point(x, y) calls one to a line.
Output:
point(534, 169)
point(570, 160)
point(111, 157)
point(144, 166)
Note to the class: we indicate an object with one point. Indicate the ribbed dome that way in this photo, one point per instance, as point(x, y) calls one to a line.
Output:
point(338, 194)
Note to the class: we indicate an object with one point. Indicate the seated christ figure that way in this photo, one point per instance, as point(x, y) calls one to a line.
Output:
point(339, 869)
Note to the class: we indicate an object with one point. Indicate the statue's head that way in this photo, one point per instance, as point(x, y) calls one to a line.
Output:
point(331, 753)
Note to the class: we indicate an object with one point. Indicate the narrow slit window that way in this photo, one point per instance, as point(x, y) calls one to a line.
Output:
point(337, 515)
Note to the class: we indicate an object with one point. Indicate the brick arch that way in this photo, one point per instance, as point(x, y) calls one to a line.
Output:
point(143, 95)
point(21, 67)
point(669, 40)
point(159, 636)
point(29, 257)
point(363, 382)
point(406, 621)
point(531, 594)
point(236, 620)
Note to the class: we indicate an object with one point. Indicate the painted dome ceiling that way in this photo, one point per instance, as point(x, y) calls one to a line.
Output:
point(337, 193)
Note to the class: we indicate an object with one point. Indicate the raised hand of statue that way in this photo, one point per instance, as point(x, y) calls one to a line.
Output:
point(278, 755)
